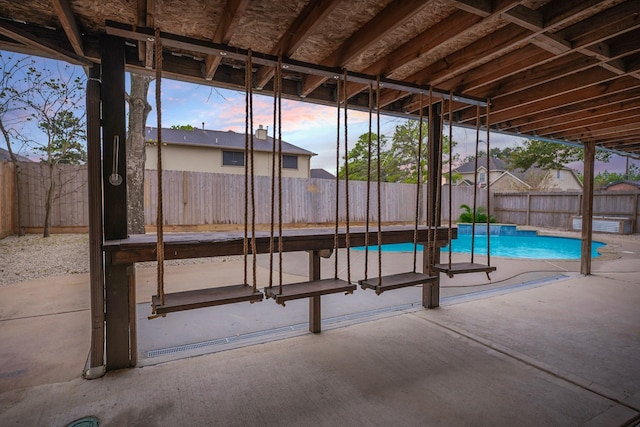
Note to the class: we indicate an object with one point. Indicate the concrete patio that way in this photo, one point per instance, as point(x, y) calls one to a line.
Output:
point(540, 345)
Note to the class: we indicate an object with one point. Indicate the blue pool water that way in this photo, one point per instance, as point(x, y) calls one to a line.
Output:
point(508, 242)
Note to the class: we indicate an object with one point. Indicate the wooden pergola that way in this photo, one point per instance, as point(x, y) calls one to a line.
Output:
point(558, 70)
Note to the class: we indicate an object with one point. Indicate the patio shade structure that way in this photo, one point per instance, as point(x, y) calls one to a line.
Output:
point(558, 70)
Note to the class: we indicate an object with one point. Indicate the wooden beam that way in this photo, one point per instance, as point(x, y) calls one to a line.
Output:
point(114, 137)
point(96, 266)
point(577, 120)
point(69, 24)
point(587, 208)
point(315, 313)
point(44, 47)
point(393, 16)
point(481, 8)
point(307, 21)
point(602, 130)
point(229, 20)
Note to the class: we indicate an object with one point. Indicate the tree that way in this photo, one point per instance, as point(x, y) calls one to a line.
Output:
point(605, 178)
point(139, 109)
point(359, 159)
point(182, 127)
point(56, 104)
point(13, 91)
point(548, 155)
point(398, 163)
point(499, 153)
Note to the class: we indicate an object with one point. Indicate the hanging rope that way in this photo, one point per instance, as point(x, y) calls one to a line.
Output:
point(450, 173)
point(475, 182)
point(366, 228)
point(252, 174)
point(245, 240)
point(346, 177)
point(378, 177)
point(335, 235)
point(438, 209)
point(418, 185)
point(159, 212)
point(276, 94)
point(280, 247)
point(488, 125)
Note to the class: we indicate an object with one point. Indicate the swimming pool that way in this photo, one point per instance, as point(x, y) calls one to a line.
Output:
point(507, 241)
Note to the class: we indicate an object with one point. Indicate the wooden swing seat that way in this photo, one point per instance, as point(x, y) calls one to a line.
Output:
point(309, 289)
point(463, 268)
point(396, 281)
point(200, 298)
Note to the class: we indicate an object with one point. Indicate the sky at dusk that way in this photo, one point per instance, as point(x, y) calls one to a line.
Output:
point(310, 126)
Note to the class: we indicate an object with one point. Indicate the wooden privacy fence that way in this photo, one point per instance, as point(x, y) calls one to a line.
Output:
point(209, 198)
point(7, 199)
point(554, 210)
point(198, 198)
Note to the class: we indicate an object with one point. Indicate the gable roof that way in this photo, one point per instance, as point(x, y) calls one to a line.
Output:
point(219, 139)
point(5, 157)
point(495, 164)
point(321, 173)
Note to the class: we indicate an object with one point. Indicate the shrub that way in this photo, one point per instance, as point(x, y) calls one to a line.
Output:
point(480, 215)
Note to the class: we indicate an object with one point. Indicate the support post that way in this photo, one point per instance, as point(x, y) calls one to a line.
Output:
point(118, 314)
point(315, 316)
point(96, 266)
point(431, 291)
point(113, 121)
point(587, 207)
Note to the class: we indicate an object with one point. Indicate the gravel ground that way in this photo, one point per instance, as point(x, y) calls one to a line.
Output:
point(34, 257)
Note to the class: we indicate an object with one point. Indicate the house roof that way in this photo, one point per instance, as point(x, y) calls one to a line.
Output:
point(219, 139)
point(321, 173)
point(633, 183)
point(495, 164)
point(5, 157)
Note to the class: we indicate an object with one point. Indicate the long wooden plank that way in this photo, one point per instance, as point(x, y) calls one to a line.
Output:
point(200, 298)
point(396, 281)
point(463, 268)
point(138, 248)
point(313, 288)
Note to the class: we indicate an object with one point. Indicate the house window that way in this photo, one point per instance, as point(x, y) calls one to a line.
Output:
point(558, 174)
point(289, 162)
point(482, 177)
point(233, 158)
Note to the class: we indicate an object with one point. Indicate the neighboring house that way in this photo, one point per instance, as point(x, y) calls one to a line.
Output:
point(203, 150)
point(5, 157)
point(624, 186)
point(322, 174)
point(502, 179)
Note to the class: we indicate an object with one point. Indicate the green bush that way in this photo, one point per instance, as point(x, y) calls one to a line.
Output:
point(480, 215)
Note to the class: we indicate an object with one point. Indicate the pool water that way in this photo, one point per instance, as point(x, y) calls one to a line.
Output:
point(510, 243)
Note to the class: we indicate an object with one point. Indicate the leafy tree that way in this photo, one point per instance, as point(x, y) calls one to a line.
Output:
point(605, 178)
point(548, 155)
point(399, 162)
point(182, 127)
point(56, 104)
point(14, 89)
point(359, 159)
point(499, 153)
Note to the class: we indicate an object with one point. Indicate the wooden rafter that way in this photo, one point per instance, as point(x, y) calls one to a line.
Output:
point(21, 36)
point(309, 19)
point(231, 13)
point(382, 24)
point(69, 25)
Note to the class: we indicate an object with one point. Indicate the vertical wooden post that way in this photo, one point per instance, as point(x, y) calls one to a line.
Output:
point(587, 207)
point(315, 316)
point(113, 121)
point(119, 322)
point(528, 222)
point(431, 292)
point(96, 266)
